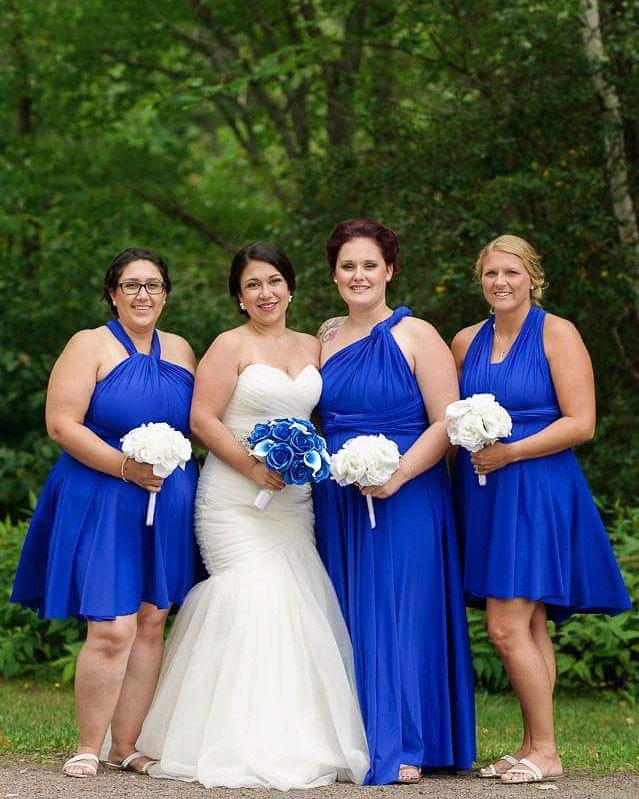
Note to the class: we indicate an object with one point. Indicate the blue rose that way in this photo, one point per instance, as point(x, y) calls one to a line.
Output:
point(258, 433)
point(280, 457)
point(298, 474)
point(302, 442)
point(281, 430)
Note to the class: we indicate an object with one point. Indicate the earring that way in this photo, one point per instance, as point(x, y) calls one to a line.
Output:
point(242, 306)
point(290, 298)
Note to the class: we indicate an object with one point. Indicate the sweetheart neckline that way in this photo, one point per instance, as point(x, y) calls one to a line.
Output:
point(281, 371)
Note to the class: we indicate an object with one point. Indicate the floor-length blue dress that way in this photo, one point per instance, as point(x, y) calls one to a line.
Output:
point(399, 585)
point(88, 551)
point(533, 530)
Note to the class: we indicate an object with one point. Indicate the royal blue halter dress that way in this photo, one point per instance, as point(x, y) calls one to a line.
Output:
point(399, 585)
point(533, 530)
point(88, 551)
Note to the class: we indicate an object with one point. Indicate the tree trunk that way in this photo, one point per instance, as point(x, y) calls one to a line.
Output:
point(616, 166)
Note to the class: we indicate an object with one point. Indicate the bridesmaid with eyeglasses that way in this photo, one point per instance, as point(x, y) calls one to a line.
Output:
point(88, 551)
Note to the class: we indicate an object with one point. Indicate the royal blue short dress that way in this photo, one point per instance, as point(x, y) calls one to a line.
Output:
point(88, 551)
point(399, 585)
point(533, 530)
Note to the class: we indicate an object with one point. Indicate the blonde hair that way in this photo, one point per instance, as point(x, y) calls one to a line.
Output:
point(530, 258)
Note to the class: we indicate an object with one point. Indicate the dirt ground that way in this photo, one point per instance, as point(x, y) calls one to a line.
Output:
point(32, 781)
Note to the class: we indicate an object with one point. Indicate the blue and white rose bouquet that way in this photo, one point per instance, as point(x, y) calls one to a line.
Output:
point(159, 444)
point(292, 447)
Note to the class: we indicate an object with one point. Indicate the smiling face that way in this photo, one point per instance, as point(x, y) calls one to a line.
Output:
point(141, 310)
point(264, 292)
point(361, 273)
point(505, 281)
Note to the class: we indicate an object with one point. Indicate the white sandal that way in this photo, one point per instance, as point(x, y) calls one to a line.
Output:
point(490, 771)
point(125, 765)
point(85, 760)
point(530, 773)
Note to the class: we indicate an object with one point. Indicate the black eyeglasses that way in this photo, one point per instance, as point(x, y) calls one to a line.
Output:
point(134, 286)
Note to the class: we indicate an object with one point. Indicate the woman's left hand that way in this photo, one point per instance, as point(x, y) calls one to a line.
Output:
point(493, 457)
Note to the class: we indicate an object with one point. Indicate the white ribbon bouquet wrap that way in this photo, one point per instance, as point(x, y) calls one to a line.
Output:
point(368, 461)
point(476, 422)
point(159, 444)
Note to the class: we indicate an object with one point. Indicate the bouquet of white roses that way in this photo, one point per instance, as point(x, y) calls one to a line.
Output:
point(368, 461)
point(477, 421)
point(162, 446)
point(292, 447)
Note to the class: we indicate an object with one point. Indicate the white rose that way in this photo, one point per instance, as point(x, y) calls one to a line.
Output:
point(456, 409)
point(346, 467)
point(468, 432)
point(482, 403)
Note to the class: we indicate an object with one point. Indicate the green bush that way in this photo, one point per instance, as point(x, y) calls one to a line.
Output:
point(22, 472)
point(598, 651)
point(593, 651)
point(29, 645)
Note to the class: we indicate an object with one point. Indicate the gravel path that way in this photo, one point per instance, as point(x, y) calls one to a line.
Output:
point(30, 781)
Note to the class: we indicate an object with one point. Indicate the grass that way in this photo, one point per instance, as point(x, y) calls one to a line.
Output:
point(595, 733)
point(598, 733)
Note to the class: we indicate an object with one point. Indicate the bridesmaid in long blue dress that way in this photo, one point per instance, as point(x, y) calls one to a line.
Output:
point(534, 544)
point(88, 551)
point(399, 585)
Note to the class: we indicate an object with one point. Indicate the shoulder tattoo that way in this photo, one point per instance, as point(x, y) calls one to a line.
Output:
point(330, 328)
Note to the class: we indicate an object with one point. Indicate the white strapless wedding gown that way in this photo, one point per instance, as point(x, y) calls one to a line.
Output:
point(257, 685)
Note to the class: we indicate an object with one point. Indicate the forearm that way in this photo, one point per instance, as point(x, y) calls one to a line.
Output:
point(427, 450)
point(563, 434)
point(219, 440)
point(86, 447)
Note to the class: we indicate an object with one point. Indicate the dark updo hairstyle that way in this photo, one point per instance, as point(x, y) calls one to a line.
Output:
point(122, 260)
point(258, 251)
point(362, 228)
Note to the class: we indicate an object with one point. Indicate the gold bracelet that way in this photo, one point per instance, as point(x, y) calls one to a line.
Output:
point(408, 463)
point(122, 465)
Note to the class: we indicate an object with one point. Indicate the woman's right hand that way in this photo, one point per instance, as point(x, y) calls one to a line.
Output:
point(142, 475)
point(266, 478)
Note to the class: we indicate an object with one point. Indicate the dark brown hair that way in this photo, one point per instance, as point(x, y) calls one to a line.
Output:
point(259, 251)
point(362, 228)
point(122, 260)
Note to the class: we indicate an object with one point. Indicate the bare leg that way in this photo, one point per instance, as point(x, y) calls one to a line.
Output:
point(510, 628)
point(98, 679)
point(139, 683)
point(539, 631)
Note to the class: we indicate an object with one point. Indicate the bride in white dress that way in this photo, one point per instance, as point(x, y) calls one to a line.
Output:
point(257, 685)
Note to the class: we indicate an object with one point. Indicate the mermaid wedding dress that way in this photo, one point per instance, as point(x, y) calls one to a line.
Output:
point(257, 685)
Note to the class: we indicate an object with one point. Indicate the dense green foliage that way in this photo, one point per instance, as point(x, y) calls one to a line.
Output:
point(193, 126)
point(592, 651)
